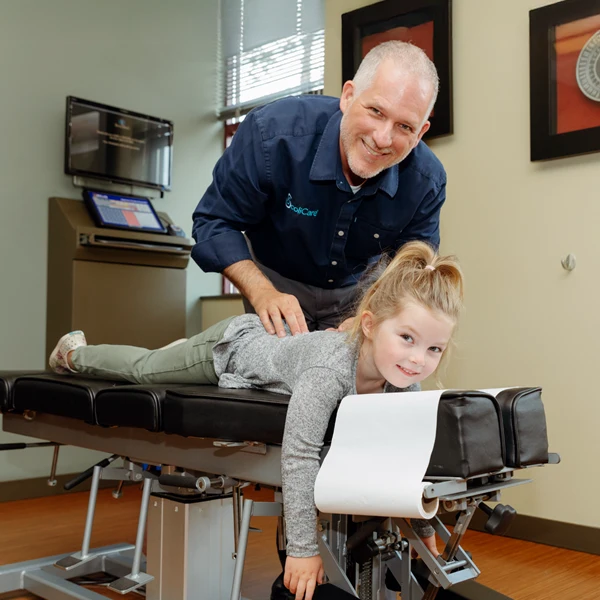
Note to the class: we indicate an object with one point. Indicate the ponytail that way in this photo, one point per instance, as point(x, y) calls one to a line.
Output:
point(416, 273)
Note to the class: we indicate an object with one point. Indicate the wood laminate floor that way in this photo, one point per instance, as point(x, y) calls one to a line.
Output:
point(32, 529)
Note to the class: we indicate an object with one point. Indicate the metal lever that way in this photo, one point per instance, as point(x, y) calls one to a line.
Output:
point(52, 479)
point(500, 518)
point(116, 494)
point(23, 446)
point(89, 472)
point(191, 482)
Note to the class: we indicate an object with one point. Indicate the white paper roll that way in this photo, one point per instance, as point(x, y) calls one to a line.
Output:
point(379, 453)
point(495, 391)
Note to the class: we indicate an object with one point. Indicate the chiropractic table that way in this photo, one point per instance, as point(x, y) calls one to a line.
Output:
point(194, 449)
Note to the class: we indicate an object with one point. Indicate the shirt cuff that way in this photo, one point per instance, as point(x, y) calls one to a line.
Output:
point(218, 253)
point(422, 528)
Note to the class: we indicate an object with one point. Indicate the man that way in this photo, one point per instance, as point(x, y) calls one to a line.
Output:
point(314, 189)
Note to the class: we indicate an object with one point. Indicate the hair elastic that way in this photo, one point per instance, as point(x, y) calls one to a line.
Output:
point(429, 268)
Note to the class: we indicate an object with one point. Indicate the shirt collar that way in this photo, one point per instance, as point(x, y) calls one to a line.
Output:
point(327, 164)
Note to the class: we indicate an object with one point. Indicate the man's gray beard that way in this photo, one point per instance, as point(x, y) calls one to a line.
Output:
point(362, 174)
point(346, 146)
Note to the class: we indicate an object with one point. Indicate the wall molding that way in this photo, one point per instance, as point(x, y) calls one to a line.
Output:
point(581, 538)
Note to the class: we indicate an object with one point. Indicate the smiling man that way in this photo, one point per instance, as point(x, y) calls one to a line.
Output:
point(313, 189)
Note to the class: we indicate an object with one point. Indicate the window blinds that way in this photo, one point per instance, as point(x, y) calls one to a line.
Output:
point(268, 49)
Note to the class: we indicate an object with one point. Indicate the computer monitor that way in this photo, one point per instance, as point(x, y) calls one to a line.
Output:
point(123, 212)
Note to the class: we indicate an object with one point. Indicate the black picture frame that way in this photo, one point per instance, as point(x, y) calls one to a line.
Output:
point(549, 83)
point(386, 15)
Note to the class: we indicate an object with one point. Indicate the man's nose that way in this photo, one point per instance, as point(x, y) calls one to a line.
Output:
point(382, 135)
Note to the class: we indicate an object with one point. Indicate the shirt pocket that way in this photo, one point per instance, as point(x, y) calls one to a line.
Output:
point(366, 240)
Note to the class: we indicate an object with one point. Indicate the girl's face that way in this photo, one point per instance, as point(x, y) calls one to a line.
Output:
point(408, 347)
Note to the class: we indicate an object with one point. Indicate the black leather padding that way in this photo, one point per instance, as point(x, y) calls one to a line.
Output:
point(61, 395)
point(226, 414)
point(7, 382)
point(469, 437)
point(138, 406)
point(524, 423)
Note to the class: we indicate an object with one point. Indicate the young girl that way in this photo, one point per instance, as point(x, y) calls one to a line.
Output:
point(403, 325)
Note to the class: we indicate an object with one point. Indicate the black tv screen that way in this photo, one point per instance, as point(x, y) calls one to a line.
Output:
point(117, 145)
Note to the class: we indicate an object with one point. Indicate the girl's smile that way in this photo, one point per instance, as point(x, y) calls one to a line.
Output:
point(404, 349)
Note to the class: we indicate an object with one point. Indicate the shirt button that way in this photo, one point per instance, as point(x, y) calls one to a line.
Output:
point(376, 236)
point(330, 280)
point(334, 262)
point(340, 233)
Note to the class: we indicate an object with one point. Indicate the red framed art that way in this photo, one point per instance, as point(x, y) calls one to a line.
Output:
point(564, 60)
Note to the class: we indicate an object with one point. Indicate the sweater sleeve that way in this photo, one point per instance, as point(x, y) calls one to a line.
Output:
point(316, 395)
point(422, 527)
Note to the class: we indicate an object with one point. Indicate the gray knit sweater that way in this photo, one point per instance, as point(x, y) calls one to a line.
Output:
point(318, 369)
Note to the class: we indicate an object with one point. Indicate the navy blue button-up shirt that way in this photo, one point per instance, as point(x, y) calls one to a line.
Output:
point(281, 182)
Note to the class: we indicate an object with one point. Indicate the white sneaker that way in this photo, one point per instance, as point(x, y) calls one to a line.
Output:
point(175, 343)
point(58, 358)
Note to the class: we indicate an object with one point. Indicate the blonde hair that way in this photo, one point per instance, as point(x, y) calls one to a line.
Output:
point(417, 273)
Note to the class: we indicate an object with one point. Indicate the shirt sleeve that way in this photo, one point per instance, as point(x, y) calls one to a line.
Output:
point(425, 225)
point(234, 201)
point(315, 397)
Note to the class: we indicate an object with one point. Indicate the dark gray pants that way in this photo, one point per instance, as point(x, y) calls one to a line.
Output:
point(322, 308)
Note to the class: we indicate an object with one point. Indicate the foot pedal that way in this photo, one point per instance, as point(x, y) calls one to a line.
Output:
point(127, 584)
point(74, 560)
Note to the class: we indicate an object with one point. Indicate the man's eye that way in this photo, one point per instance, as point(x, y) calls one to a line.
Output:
point(375, 111)
point(405, 127)
point(406, 337)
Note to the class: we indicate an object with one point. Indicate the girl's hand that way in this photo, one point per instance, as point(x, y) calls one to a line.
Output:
point(302, 575)
point(431, 543)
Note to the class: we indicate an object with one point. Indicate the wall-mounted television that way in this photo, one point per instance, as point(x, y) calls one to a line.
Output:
point(117, 145)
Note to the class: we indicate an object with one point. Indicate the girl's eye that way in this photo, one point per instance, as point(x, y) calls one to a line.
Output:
point(436, 349)
point(406, 337)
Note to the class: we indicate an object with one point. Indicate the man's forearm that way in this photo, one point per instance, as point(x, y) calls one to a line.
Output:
point(248, 278)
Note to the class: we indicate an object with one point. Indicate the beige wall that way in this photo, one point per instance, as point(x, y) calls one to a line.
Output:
point(527, 321)
point(151, 56)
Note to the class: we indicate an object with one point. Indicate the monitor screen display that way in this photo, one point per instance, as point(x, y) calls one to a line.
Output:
point(118, 145)
point(123, 212)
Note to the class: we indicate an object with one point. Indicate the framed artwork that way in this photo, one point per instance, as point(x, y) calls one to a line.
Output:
point(564, 73)
point(424, 23)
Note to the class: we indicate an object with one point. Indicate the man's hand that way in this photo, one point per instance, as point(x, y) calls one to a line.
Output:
point(343, 326)
point(273, 308)
point(270, 305)
point(302, 575)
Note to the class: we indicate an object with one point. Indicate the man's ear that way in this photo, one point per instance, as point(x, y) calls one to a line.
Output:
point(347, 96)
point(367, 324)
point(423, 131)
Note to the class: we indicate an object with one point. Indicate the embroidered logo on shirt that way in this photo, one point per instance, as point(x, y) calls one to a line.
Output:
point(299, 209)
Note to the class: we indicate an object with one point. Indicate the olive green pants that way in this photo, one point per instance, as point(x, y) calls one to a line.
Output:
point(188, 362)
